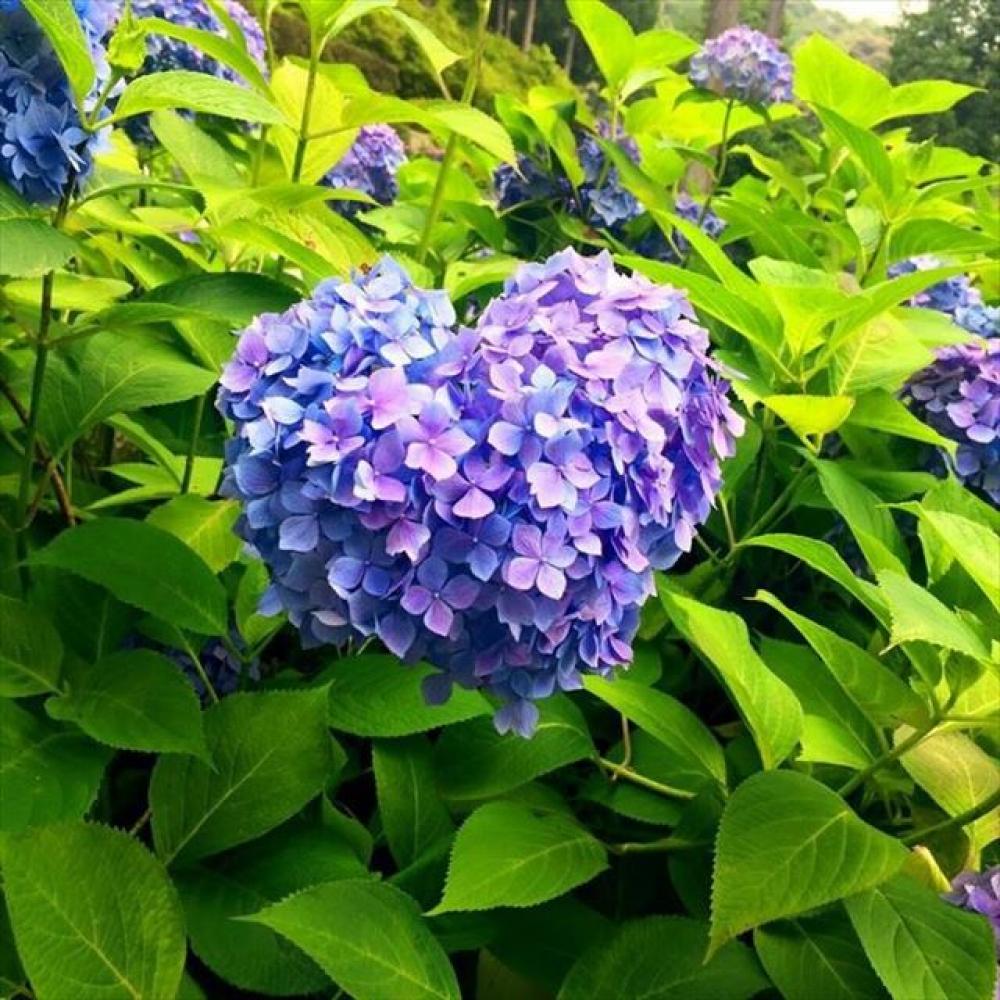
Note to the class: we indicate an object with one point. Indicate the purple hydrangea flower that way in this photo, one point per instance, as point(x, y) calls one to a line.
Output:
point(955, 296)
point(959, 396)
point(42, 141)
point(224, 671)
point(491, 500)
point(655, 244)
point(979, 892)
point(369, 166)
point(165, 53)
point(601, 200)
point(743, 65)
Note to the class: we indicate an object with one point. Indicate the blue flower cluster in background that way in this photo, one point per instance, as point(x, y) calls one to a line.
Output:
point(979, 892)
point(224, 671)
point(42, 142)
point(955, 296)
point(743, 65)
point(164, 53)
point(655, 244)
point(369, 166)
point(601, 200)
point(492, 499)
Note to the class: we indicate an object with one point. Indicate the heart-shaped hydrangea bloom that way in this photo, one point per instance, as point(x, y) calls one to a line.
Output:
point(743, 65)
point(955, 296)
point(959, 396)
point(492, 500)
point(369, 166)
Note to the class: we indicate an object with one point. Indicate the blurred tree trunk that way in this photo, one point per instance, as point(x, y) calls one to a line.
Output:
point(722, 14)
point(570, 49)
point(775, 19)
point(500, 16)
point(529, 25)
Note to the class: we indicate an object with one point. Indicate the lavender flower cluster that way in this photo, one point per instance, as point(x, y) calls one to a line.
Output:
point(223, 670)
point(979, 892)
point(955, 296)
point(959, 396)
point(164, 53)
point(601, 199)
point(743, 65)
point(369, 166)
point(655, 245)
point(42, 142)
point(490, 499)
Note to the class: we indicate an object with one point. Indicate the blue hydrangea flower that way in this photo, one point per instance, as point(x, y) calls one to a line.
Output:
point(369, 166)
point(493, 499)
point(655, 245)
point(955, 296)
point(959, 396)
point(42, 142)
point(165, 53)
point(743, 65)
point(601, 201)
point(224, 671)
point(979, 892)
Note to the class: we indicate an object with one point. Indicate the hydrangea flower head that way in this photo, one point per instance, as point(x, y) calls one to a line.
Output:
point(223, 670)
point(979, 892)
point(743, 65)
point(42, 141)
point(959, 396)
point(655, 244)
point(369, 166)
point(492, 500)
point(164, 53)
point(955, 296)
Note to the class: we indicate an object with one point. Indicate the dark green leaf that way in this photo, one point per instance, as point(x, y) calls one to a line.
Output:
point(30, 650)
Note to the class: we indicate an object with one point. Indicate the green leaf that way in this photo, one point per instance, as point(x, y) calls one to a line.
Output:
point(196, 153)
point(826, 75)
point(62, 27)
point(246, 880)
point(179, 88)
point(438, 54)
point(136, 700)
point(957, 775)
point(933, 236)
point(663, 958)
point(975, 546)
point(253, 627)
point(94, 914)
point(75, 292)
point(924, 97)
point(879, 410)
point(698, 757)
point(235, 297)
point(30, 650)
point(413, 815)
point(766, 703)
point(864, 145)
point(369, 938)
point(378, 696)
point(922, 947)
point(47, 771)
point(96, 377)
point(608, 36)
point(786, 845)
point(271, 753)
point(473, 761)
point(506, 854)
point(30, 247)
point(811, 414)
point(817, 956)
point(474, 125)
point(205, 526)
point(142, 566)
point(918, 616)
point(883, 697)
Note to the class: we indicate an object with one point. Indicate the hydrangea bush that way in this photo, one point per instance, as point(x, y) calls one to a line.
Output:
point(523, 587)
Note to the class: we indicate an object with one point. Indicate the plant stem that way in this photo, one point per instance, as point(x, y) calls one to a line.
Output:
point(962, 819)
point(307, 101)
point(199, 412)
point(775, 509)
point(189, 649)
point(904, 746)
point(617, 770)
point(450, 150)
point(651, 846)
point(720, 165)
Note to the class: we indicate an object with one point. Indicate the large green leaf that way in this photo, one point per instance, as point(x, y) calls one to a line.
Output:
point(864, 145)
point(206, 526)
point(195, 152)
point(786, 845)
point(879, 410)
point(30, 246)
point(30, 650)
point(136, 700)
point(473, 761)
point(62, 27)
point(922, 947)
point(767, 704)
point(973, 545)
point(827, 76)
point(811, 414)
point(109, 373)
point(369, 938)
point(506, 854)
point(378, 696)
point(663, 958)
point(608, 36)
point(94, 915)
point(271, 754)
point(412, 813)
point(698, 757)
point(143, 566)
point(48, 772)
point(817, 956)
